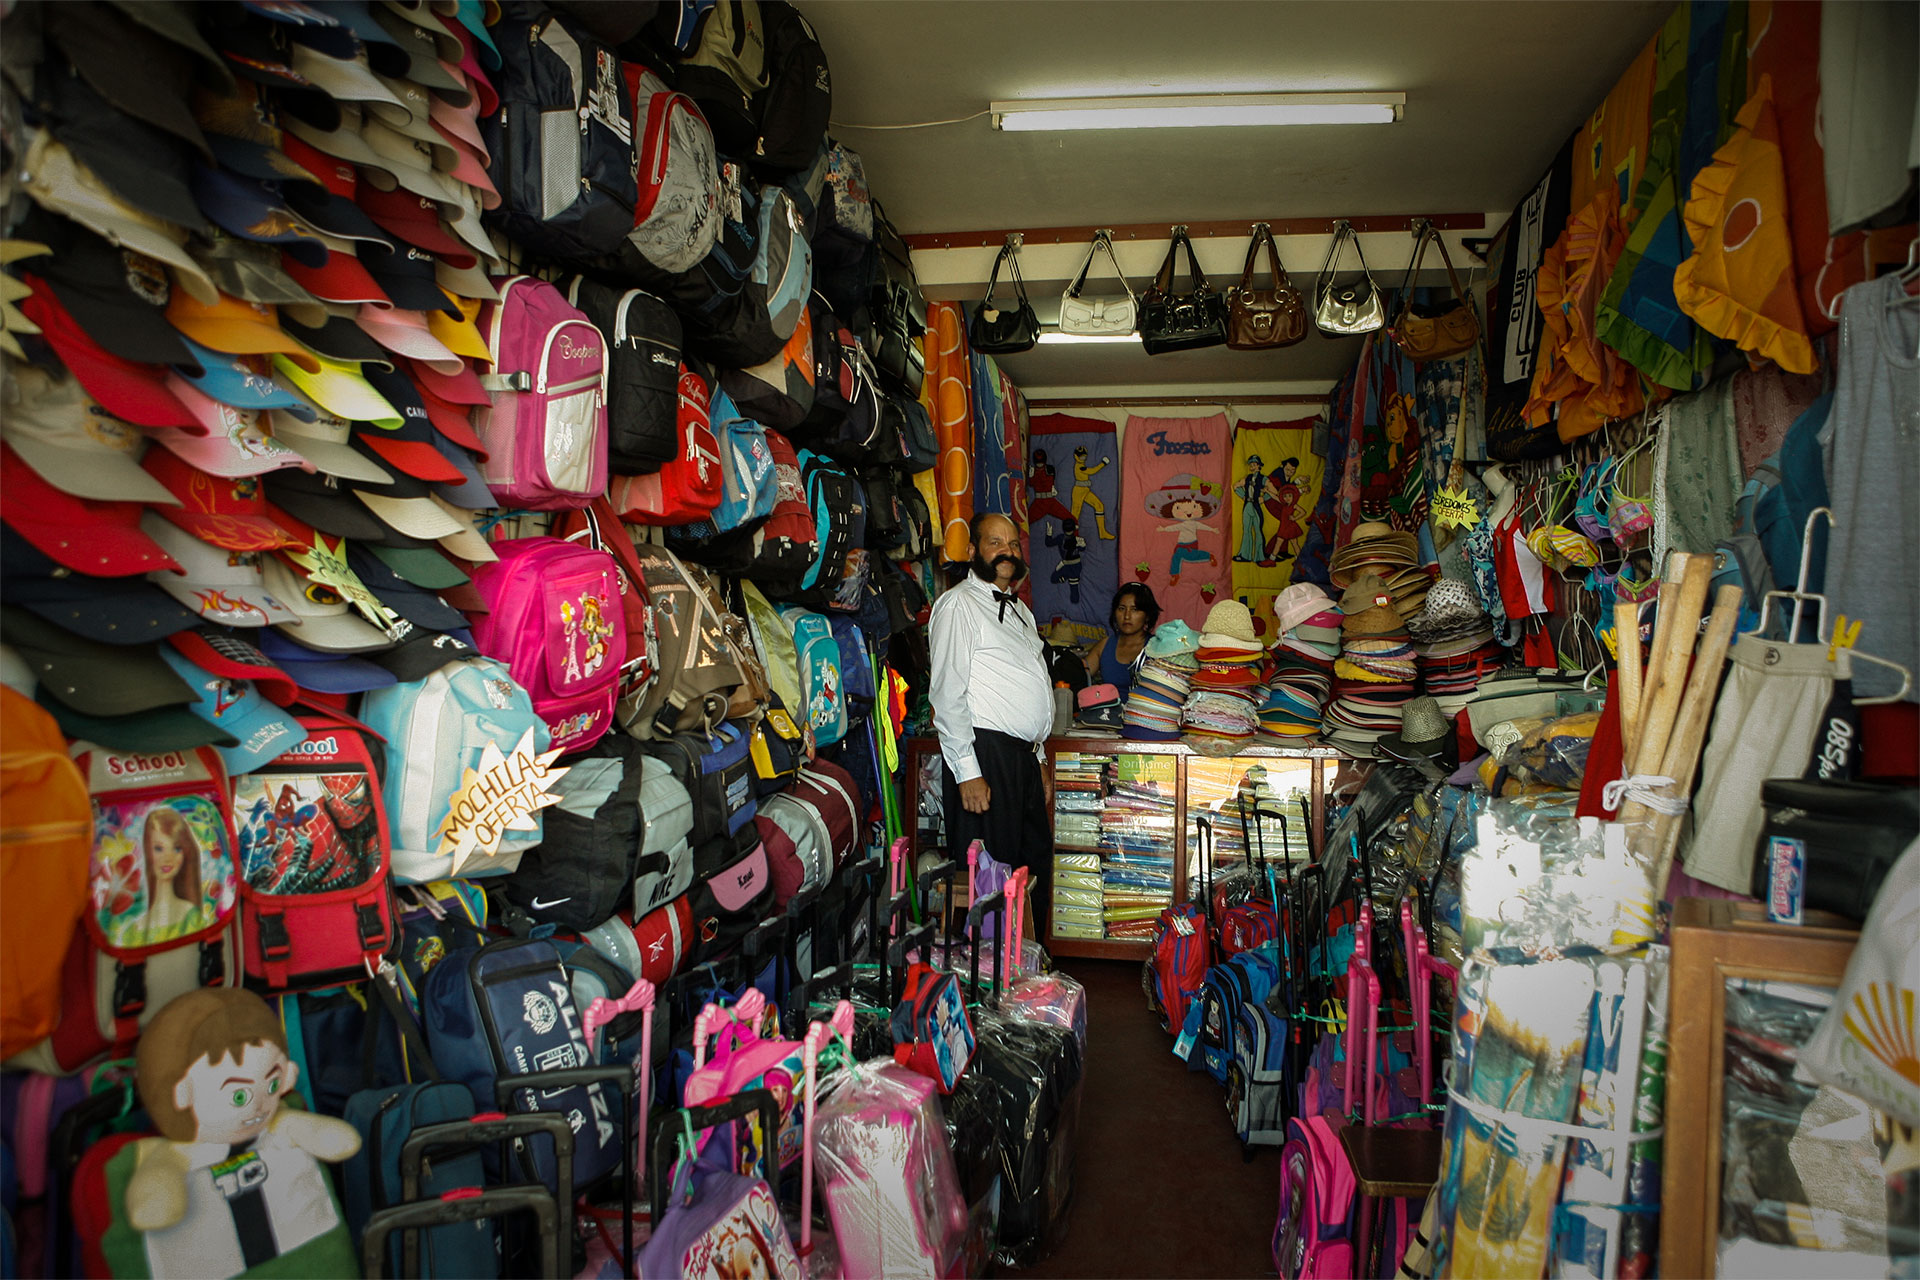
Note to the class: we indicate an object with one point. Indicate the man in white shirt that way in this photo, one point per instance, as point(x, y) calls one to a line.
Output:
point(992, 705)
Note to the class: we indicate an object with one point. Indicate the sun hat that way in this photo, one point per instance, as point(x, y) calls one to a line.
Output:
point(1297, 603)
point(1367, 608)
point(1232, 619)
point(1172, 637)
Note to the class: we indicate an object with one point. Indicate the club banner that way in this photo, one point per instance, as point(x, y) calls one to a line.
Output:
point(1073, 510)
point(951, 374)
point(1275, 484)
point(1174, 494)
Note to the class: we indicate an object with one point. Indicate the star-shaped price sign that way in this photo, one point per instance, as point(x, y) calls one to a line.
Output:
point(326, 566)
point(504, 794)
point(1454, 508)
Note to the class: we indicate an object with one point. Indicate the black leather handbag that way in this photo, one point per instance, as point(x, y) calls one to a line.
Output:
point(998, 332)
point(1181, 321)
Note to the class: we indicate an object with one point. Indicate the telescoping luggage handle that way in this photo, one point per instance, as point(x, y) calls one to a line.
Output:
point(479, 1131)
point(465, 1204)
point(839, 1027)
point(678, 1125)
point(622, 1079)
point(976, 923)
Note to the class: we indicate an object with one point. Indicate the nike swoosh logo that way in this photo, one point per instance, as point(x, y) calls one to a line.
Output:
point(537, 905)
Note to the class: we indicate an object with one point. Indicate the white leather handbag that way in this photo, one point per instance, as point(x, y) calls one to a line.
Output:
point(1098, 317)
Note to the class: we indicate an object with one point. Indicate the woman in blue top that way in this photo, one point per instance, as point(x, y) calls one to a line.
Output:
point(1134, 615)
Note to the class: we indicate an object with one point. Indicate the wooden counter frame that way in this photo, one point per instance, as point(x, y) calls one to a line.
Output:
point(913, 750)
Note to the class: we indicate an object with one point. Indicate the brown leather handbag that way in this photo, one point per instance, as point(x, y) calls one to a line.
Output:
point(1433, 333)
point(1258, 319)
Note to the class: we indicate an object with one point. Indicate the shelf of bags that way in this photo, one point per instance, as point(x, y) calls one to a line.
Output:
point(1100, 948)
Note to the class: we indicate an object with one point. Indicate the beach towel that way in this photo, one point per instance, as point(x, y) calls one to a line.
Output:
point(951, 373)
point(1073, 514)
point(1174, 493)
point(999, 441)
point(1275, 485)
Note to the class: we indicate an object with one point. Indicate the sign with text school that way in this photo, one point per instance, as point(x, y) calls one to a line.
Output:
point(1173, 529)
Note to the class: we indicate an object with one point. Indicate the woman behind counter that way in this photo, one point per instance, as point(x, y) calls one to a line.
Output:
point(1134, 615)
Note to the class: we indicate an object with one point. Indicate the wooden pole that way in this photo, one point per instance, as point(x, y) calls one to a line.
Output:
point(1652, 667)
point(1626, 643)
point(1659, 707)
point(1682, 760)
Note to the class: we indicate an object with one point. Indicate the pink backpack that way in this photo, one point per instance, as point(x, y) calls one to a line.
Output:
point(1313, 1238)
point(743, 1059)
point(546, 430)
point(555, 618)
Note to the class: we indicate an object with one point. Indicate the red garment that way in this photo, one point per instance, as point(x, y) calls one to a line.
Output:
point(1603, 757)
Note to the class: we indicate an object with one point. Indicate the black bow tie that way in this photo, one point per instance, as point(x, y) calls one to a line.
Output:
point(1005, 600)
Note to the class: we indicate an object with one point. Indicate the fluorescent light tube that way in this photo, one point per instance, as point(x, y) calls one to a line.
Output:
point(1054, 336)
point(1202, 110)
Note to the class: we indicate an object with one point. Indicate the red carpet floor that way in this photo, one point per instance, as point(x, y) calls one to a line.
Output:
point(1160, 1187)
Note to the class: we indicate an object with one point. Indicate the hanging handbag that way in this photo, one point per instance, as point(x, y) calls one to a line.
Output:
point(1181, 321)
point(1258, 319)
point(1098, 317)
point(1351, 308)
point(1004, 333)
point(1434, 333)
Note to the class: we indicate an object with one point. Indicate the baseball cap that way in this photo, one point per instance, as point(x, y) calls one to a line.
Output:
point(236, 326)
point(416, 605)
point(228, 512)
point(324, 672)
point(407, 333)
point(162, 729)
point(343, 27)
point(470, 167)
point(326, 443)
point(405, 506)
point(260, 729)
point(245, 129)
point(468, 544)
point(225, 654)
point(459, 124)
point(220, 585)
point(406, 274)
point(111, 610)
point(344, 143)
point(460, 334)
point(470, 492)
point(422, 566)
point(348, 79)
point(465, 223)
point(254, 211)
point(466, 282)
point(240, 381)
point(260, 51)
point(338, 338)
point(326, 621)
point(424, 652)
point(408, 446)
point(91, 677)
point(454, 422)
point(252, 271)
point(130, 391)
point(334, 213)
point(74, 445)
point(414, 219)
point(174, 22)
point(143, 165)
point(117, 295)
point(462, 388)
point(231, 442)
point(319, 500)
point(471, 15)
point(340, 277)
point(425, 42)
point(405, 162)
point(104, 539)
point(132, 67)
point(339, 387)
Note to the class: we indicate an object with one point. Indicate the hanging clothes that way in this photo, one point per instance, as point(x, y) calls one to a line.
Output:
point(1696, 472)
point(1585, 380)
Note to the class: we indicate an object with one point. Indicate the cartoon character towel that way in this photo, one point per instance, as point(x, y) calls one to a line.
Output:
point(1275, 484)
point(1073, 514)
point(1174, 538)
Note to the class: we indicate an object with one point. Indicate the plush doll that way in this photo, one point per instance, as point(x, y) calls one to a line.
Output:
point(232, 1186)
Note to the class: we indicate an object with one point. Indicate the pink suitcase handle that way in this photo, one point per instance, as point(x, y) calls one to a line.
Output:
point(1363, 1003)
point(742, 1016)
point(819, 1035)
point(604, 1010)
point(1422, 969)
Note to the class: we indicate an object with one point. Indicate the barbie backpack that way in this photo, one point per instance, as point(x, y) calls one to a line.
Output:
point(556, 618)
point(546, 430)
point(1312, 1239)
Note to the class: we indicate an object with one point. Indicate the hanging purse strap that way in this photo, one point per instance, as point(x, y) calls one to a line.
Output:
point(1102, 242)
point(1200, 282)
point(1424, 232)
point(1342, 232)
point(1010, 255)
point(993, 279)
point(1263, 232)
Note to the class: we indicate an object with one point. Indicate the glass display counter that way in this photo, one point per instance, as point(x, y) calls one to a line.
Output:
point(1124, 831)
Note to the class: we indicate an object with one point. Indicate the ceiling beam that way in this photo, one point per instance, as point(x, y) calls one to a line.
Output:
point(1197, 230)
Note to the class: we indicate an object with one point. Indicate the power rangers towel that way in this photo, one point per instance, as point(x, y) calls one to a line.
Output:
point(1073, 513)
point(1174, 494)
point(951, 376)
point(1275, 484)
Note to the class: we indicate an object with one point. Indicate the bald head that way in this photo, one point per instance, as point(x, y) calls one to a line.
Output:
point(994, 546)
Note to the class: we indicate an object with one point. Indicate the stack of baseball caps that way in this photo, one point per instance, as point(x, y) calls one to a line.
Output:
point(1453, 642)
point(1377, 549)
point(1221, 712)
point(1160, 686)
point(1300, 669)
point(1374, 676)
point(242, 360)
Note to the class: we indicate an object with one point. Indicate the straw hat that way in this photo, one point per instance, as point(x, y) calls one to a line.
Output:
point(1368, 607)
point(1232, 619)
point(1426, 738)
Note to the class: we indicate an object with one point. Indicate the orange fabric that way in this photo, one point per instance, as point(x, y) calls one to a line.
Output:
point(1586, 380)
point(1739, 283)
point(46, 837)
point(1611, 147)
point(950, 374)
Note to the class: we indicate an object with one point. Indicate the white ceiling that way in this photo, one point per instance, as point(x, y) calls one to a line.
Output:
point(1494, 87)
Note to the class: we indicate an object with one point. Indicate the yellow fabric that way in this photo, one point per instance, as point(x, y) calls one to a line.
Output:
point(1611, 147)
point(1739, 283)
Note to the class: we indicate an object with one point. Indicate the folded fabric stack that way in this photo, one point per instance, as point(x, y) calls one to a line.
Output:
point(1300, 668)
point(1454, 645)
point(1375, 674)
point(1391, 556)
point(1160, 686)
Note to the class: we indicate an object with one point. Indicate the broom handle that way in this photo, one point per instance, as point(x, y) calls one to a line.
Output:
point(1682, 760)
point(1663, 611)
point(1626, 637)
point(1656, 725)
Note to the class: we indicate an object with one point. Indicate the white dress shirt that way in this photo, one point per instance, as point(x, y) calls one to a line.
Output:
point(988, 673)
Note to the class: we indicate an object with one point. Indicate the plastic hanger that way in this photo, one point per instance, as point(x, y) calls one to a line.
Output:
point(1801, 598)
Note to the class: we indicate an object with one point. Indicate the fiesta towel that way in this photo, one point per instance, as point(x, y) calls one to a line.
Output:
point(1174, 491)
point(1073, 513)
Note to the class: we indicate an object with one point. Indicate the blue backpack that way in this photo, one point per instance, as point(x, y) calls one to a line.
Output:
point(438, 728)
point(749, 485)
point(856, 669)
point(822, 683)
point(783, 264)
point(385, 1119)
point(839, 523)
point(506, 1009)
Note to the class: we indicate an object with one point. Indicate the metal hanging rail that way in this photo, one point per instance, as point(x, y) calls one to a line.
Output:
point(1225, 229)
